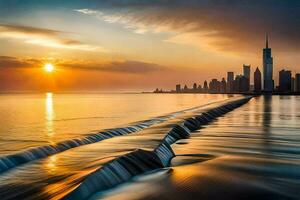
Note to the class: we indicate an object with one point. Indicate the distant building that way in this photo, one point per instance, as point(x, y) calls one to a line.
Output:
point(200, 88)
point(246, 73)
point(195, 87)
point(297, 83)
point(230, 82)
point(205, 87)
point(178, 88)
point(293, 85)
point(223, 86)
point(230, 76)
point(214, 86)
point(285, 81)
point(241, 84)
point(158, 90)
point(185, 89)
point(257, 81)
point(268, 68)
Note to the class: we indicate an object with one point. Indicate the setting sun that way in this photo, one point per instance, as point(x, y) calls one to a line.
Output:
point(49, 67)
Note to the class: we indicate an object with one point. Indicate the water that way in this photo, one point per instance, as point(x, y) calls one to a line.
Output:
point(31, 120)
point(59, 174)
point(249, 153)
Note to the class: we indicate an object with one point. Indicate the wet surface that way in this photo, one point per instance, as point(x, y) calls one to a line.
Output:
point(250, 153)
point(57, 175)
point(32, 120)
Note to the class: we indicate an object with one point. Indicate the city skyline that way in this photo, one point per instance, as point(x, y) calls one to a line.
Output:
point(241, 83)
point(127, 45)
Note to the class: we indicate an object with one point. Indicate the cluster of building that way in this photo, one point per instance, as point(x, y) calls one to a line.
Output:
point(241, 83)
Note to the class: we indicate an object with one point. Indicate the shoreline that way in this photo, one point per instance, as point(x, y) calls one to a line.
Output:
point(234, 93)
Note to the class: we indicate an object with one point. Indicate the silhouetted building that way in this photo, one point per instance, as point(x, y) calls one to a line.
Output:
point(214, 86)
point(158, 90)
point(246, 73)
point(257, 81)
point(199, 88)
point(297, 83)
point(205, 86)
point(268, 68)
point(185, 89)
point(195, 87)
point(285, 81)
point(230, 76)
point(178, 88)
point(293, 85)
point(241, 84)
point(230, 82)
point(223, 86)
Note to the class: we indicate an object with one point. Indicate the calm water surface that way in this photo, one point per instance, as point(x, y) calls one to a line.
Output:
point(30, 120)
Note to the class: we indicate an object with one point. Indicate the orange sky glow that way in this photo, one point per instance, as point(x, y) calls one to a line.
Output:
point(139, 46)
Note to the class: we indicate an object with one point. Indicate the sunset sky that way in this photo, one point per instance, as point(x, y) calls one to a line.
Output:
point(131, 45)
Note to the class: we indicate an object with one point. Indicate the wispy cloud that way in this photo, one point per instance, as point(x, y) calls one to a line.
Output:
point(124, 19)
point(235, 26)
point(13, 62)
point(44, 37)
point(126, 66)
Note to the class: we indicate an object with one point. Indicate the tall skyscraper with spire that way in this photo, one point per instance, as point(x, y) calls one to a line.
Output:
point(268, 67)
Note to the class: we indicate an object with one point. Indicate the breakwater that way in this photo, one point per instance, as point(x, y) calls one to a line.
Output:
point(124, 168)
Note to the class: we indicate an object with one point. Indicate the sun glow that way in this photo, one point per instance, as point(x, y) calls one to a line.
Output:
point(49, 67)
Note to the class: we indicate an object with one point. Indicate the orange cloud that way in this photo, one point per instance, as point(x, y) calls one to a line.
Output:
point(225, 26)
point(44, 37)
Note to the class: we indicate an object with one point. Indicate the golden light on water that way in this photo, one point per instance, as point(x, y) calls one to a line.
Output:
point(49, 115)
point(49, 67)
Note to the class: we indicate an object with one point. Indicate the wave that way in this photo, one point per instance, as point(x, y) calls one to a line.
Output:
point(14, 160)
point(11, 161)
point(124, 168)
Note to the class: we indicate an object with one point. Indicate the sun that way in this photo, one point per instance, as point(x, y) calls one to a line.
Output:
point(49, 67)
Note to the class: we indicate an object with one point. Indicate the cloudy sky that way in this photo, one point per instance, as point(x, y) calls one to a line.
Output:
point(122, 45)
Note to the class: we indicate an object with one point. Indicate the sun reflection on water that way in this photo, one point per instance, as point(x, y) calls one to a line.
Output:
point(49, 114)
point(51, 163)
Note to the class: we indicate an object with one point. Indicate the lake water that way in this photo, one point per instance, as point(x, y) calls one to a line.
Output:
point(251, 152)
point(30, 120)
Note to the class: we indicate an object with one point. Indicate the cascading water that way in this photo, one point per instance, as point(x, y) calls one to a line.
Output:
point(125, 167)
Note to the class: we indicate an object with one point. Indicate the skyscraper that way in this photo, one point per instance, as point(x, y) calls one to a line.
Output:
point(230, 82)
point(205, 86)
point(246, 72)
point(223, 86)
point(195, 87)
point(214, 86)
point(268, 68)
point(241, 84)
point(297, 82)
point(285, 81)
point(293, 85)
point(178, 88)
point(230, 76)
point(257, 81)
